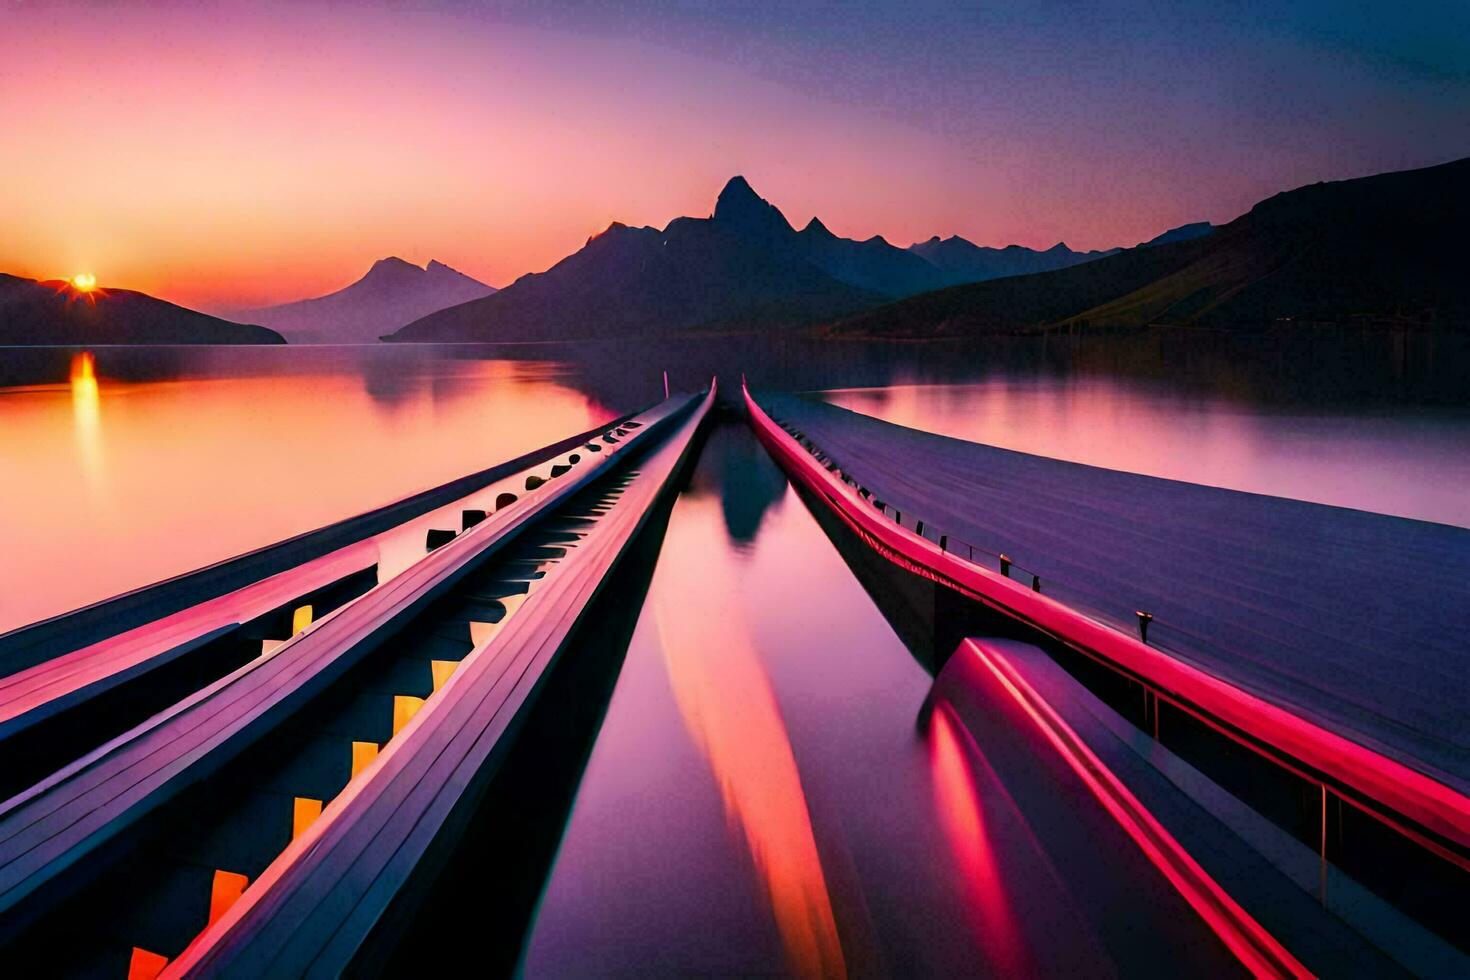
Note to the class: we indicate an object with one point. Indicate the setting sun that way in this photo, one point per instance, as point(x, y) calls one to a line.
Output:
point(84, 282)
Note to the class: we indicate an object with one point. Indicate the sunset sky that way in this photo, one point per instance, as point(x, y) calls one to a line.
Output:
point(232, 155)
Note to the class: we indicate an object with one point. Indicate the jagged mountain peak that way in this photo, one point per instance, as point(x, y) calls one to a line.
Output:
point(815, 227)
point(737, 188)
point(742, 210)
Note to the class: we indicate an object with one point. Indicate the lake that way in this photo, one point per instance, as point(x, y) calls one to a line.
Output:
point(122, 466)
point(762, 701)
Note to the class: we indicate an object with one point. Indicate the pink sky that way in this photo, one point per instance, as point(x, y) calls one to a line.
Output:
point(245, 155)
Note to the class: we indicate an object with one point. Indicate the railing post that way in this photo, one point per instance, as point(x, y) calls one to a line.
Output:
point(1143, 620)
point(919, 528)
point(1005, 565)
point(944, 542)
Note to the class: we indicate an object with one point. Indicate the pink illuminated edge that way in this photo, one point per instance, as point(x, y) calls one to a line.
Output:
point(1251, 943)
point(1388, 783)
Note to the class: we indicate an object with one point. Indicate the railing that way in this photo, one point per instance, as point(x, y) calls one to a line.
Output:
point(1349, 784)
point(1129, 620)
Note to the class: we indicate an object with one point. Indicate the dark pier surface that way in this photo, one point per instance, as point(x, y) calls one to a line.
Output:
point(1357, 621)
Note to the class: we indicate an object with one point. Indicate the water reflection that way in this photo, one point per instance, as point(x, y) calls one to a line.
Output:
point(207, 452)
point(1406, 461)
point(738, 473)
point(180, 460)
point(758, 801)
point(725, 699)
point(86, 407)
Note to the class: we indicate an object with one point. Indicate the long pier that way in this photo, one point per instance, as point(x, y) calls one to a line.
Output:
point(911, 509)
point(264, 767)
point(355, 742)
point(70, 682)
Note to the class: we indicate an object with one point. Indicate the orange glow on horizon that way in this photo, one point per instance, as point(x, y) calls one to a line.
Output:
point(84, 282)
point(295, 193)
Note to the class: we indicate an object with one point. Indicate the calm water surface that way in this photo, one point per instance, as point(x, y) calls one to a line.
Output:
point(120, 466)
point(760, 799)
point(1408, 461)
point(763, 798)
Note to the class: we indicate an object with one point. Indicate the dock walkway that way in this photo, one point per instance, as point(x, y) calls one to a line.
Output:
point(1356, 621)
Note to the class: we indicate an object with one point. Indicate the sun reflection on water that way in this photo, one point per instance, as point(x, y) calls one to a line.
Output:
point(86, 406)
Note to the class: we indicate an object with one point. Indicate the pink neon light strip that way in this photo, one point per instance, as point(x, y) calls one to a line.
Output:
point(1391, 785)
point(1246, 938)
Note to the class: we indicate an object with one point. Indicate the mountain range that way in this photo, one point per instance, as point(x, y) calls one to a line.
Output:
point(743, 267)
point(1385, 248)
point(962, 261)
point(54, 312)
point(392, 293)
point(1374, 249)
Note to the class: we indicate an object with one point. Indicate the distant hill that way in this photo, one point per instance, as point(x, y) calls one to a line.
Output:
point(393, 293)
point(53, 313)
point(1374, 249)
point(720, 272)
point(1195, 229)
point(962, 261)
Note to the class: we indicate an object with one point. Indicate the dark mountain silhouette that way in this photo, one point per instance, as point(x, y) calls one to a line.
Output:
point(52, 312)
point(1376, 249)
point(393, 293)
point(741, 268)
point(962, 261)
point(873, 264)
point(1195, 229)
point(738, 269)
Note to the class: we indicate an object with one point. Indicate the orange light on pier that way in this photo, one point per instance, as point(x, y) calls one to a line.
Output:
point(145, 965)
point(405, 706)
point(443, 670)
point(304, 812)
point(224, 892)
point(363, 754)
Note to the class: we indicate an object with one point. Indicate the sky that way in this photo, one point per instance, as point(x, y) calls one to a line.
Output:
point(232, 155)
